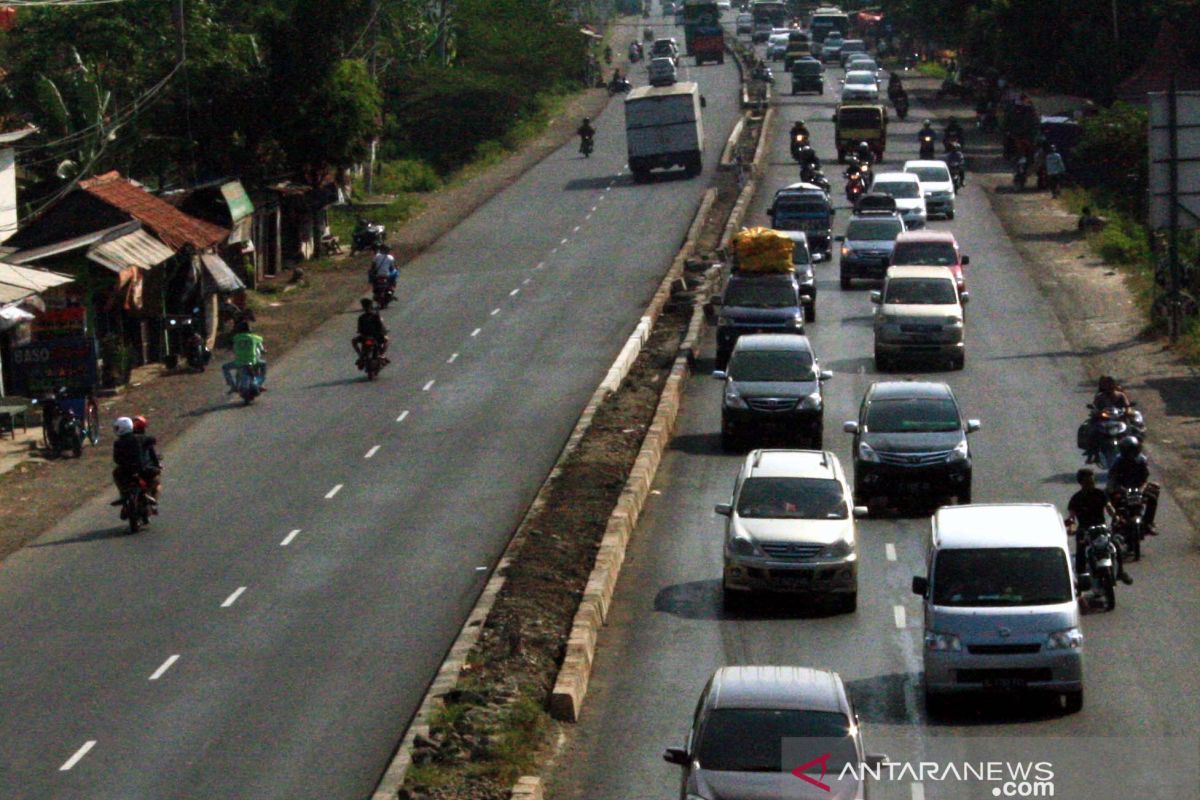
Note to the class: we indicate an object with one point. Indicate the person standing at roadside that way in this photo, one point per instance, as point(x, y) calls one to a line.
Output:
point(1055, 170)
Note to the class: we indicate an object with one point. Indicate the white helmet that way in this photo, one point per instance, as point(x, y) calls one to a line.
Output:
point(122, 426)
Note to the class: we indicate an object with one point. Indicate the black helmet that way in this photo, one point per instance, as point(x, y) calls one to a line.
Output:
point(367, 304)
point(1130, 447)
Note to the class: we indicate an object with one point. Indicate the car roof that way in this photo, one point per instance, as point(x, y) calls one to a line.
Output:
point(890, 216)
point(925, 235)
point(918, 162)
point(865, 72)
point(909, 390)
point(774, 341)
point(997, 525)
point(815, 464)
point(798, 688)
point(795, 236)
point(854, 41)
point(921, 272)
point(901, 177)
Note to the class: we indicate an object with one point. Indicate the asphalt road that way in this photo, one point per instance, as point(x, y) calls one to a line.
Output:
point(668, 632)
point(274, 630)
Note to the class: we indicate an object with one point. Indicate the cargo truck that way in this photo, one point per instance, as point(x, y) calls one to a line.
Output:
point(704, 37)
point(664, 128)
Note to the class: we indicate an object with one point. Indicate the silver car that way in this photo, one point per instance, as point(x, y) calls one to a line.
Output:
point(754, 726)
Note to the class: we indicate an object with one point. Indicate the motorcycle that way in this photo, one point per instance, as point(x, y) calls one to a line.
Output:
point(901, 104)
point(927, 148)
point(195, 352)
point(1100, 551)
point(60, 425)
point(958, 175)
point(854, 187)
point(635, 52)
point(1130, 523)
point(135, 508)
point(1021, 174)
point(799, 140)
point(367, 236)
point(249, 384)
point(619, 86)
point(1101, 434)
point(372, 359)
point(951, 138)
point(383, 291)
point(586, 144)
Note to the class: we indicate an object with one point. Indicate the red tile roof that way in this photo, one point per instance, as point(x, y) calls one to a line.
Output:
point(173, 227)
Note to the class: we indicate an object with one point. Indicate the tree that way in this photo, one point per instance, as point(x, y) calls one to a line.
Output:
point(333, 122)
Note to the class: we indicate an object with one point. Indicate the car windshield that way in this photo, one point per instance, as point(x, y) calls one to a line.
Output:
point(920, 292)
point(901, 190)
point(1019, 576)
point(801, 206)
point(859, 118)
point(873, 229)
point(760, 294)
point(752, 739)
point(913, 415)
point(930, 174)
point(806, 68)
point(791, 498)
point(860, 78)
point(925, 254)
point(772, 366)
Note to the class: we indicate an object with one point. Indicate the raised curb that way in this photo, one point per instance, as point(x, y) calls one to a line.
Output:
point(448, 673)
point(527, 788)
point(742, 205)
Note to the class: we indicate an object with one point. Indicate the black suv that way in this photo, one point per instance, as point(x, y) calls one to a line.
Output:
point(757, 303)
point(773, 384)
point(911, 439)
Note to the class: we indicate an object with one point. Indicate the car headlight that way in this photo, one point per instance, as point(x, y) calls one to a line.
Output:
point(866, 453)
point(1070, 639)
point(958, 454)
point(724, 322)
point(846, 252)
point(839, 549)
point(812, 402)
point(944, 642)
point(743, 546)
point(795, 322)
point(954, 322)
point(733, 397)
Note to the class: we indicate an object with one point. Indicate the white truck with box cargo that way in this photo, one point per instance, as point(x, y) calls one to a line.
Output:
point(664, 128)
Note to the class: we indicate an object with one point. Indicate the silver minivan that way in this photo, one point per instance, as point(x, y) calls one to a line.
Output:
point(1000, 604)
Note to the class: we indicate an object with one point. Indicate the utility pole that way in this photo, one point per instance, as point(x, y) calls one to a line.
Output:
point(369, 183)
point(1175, 318)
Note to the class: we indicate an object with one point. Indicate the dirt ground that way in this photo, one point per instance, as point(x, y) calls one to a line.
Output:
point(38, 492)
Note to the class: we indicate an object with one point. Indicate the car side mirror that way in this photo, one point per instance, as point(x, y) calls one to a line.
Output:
point(973, 425)
point(676, 755)
point(1091, 407)
point(966, 260)
point(720, 374)
point(861, 512)
point(877, 297)
point(920, 585)
point(703, 102)
point(850, 426)
point(964, 297)
point(876, 759)
point(1083, 583)
point(770, 211)
point(825, 375)
point(724, 509)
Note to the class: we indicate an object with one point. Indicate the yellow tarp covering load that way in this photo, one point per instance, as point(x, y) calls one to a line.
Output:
point(762, 250)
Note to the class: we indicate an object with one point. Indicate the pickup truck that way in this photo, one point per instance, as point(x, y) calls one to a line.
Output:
point(664, 128)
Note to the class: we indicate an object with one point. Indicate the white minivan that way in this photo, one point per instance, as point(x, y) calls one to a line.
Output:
point(1000, 604)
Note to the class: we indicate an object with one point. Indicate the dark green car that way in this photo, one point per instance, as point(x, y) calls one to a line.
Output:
point(808, 75)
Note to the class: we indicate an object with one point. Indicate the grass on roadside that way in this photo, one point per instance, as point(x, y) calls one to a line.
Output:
point(932, 69)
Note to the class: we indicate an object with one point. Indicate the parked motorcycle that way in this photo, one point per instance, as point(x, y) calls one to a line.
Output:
point(367, 236)
point(927, 148)
point(1101, 558)
point(191, 340)
point(635, 52)
point(372, 359)
point(383, 291)
point(1130, 522)
point(1104, 429)
point(61, 427)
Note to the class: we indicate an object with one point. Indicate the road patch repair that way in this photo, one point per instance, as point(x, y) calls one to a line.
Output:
point(520, 666)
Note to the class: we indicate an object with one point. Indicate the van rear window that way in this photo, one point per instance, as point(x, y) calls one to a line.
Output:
point(999, 577)
point(858, 117)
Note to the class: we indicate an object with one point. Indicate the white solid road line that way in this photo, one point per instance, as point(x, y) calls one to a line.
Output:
point(233, 597)
point(166, 665)
point(400, 418)
point(475, 332)
point(901, 618)
point(80, 753)
point(371, 453)
point(427, 386)
point(288, 539)
point(890, 549)
point(918, 791)
point(329, 495)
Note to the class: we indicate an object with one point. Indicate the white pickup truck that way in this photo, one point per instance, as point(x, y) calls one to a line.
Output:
point(664, 128)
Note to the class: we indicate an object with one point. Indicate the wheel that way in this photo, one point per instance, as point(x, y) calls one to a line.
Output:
point(77, 446)
point(935, 704)
point(135, 518)
point(841, 156)
point(732, 599)
point(1073, 702)
point(950, 214)
point(960, 361)
point(729, 441)
point(846, 281)
point(848, 603)
point(721, 58)
point(640, 175)
point(92, 415)
point(882, 364)
point(964, 497)
point(1110, 592)
point(1135, 546)
point(810, 312)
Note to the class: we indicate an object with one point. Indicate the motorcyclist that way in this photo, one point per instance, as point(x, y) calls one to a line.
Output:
point(383, 263)
point(1131, 471)
point(151, 464)
point(952, 133)
point(616, 82)
point(128, 459)
point(1110, 395)
point(809, 161)
point(864, 153)
point(248, 350)
point(370, 326)
point(957, 162)
point(1087, 508)
point(799, 129)
point(895, 86)
point(585, 131)
point(925, 138)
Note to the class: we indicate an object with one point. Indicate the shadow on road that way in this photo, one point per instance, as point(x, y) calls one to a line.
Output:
point(851, 366)
point(91, 536)
point(600, 182)
point(338, 382)
point(702, 600)
point(698, 444)
point(1179, 396)
point(882, 699)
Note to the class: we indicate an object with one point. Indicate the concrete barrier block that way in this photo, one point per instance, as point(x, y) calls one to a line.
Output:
point(527, 788)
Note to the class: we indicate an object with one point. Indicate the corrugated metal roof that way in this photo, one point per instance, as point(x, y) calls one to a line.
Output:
point(137, 249)
point(172, 227)
point(17, 283)
point(65, 246)
point(224, 277)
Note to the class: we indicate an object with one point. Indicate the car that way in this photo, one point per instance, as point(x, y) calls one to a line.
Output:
point(860, 86)
point(745, 23)
point(919, 314)
point(802, 263)
point(808, 75)
point(668, 8)
point(937, 185)
point(805, 207)
point(911, 440)
point(851, 47)
point(909, 194)
point(1000, 605)
point(873, 204)
point(790, 527)
point(831, 48)
point(867, 247)
point(748, 734)
point(724, 5)
point(661, 71)
point(862, 61)
point(777, 46)
point(757, 303)
point(665, 48)
point(926, 248)
point(772, 385)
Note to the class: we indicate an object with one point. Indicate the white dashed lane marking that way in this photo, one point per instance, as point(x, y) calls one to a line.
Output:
point(233, 597)
point(453, 357)
point(475, 332)
point(427, 386)
point(514, 293)
point(918, 791)
point(403, 415)
point(288, 539)
point(890, 549)
point(330, 494)
point(371, 453)
point(166, 665)
point(900, 617)
point(80, 753)
point(495, 311)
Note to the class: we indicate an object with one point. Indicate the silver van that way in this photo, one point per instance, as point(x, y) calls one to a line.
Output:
point(1000, 604)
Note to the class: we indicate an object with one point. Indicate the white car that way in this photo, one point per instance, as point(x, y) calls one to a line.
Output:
point(666, 48)
point(662, 71)
point(937, 185)
point(777, 46)
point(724, 5)
point(745, 23)
point(860, 86)
point(908, 192)
point(919, 314)
point(791, 527)
point(864, 63)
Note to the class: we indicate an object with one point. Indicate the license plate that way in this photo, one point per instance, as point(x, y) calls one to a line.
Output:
point(1004, 683)
point(922, 337)
point(799, 579)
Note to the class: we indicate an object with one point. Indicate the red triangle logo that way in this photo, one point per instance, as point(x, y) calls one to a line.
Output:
point(823, 760)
